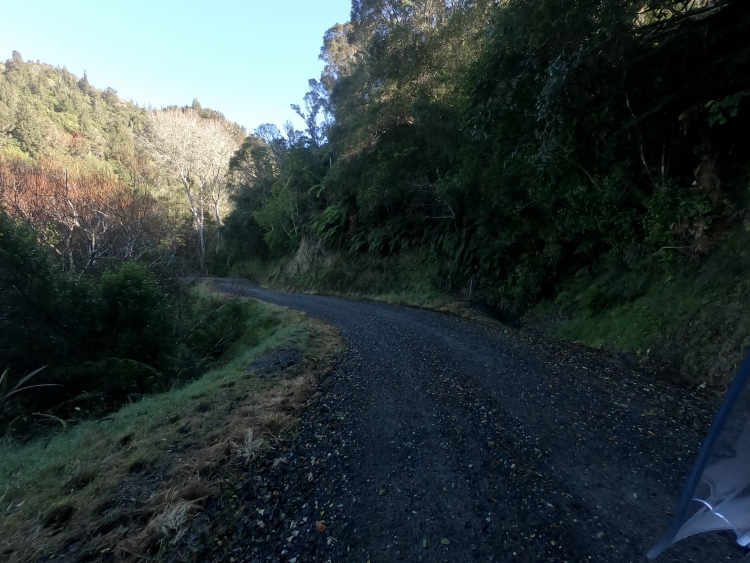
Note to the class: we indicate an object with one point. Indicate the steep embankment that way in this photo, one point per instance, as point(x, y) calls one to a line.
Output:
point(590, 155)
point(693, 318)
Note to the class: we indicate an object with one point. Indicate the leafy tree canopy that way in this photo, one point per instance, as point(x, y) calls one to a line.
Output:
point(521, 141)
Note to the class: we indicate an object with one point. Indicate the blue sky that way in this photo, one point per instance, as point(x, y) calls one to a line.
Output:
point(248, 59)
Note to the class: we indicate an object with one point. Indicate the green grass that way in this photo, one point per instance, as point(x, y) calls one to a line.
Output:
point(698, 318)
point(636, 326)
point(33, 475)
point(425, 297)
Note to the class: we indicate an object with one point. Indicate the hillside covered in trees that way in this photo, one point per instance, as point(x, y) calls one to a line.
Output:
point(103, 205)
point(582, 155)
point(579, 167)
point(123, 157)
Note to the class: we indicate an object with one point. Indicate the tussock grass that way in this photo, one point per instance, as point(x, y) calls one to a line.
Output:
point(126, 485)
point(170, 522)
point(251, 448)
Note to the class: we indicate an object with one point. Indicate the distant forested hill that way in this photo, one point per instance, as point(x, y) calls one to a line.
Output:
point(46, 110)
point(59, 133)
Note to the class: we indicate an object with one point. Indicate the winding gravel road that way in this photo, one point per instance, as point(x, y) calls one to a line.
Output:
point(442, 439)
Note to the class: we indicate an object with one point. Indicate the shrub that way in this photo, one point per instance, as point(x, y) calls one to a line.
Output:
point(135, 319)
point(105, 339)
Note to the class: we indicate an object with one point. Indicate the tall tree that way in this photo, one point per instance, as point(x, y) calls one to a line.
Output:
point(197, 152)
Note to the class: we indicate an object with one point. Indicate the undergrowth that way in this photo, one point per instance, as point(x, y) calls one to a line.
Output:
point(697, 315)
point(203, 332)
point(692, 313)
point(407, 278)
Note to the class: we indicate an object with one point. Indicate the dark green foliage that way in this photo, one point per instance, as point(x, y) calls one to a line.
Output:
point(100, 385)
point(27, 283)
point(406, 275)
point(279, 191)
point(526, 142)
point(105, 339)
point(217, 325)
point(327, 226)
point(592, 130)
point(697, 315)
point(64, 318)
point(135, 316)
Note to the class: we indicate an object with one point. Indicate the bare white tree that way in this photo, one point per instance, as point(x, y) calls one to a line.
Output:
point(222, 145)
point(196, 151)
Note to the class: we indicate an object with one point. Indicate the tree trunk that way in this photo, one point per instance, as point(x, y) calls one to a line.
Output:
point(201, 233)
point(217, 218)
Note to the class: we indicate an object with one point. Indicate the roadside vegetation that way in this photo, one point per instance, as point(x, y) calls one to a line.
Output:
point(126, 392)
point(409, 278)
point(696, 316)
point(96, 342)
point(129, 483)
point(583, 166)
point(579, 158)
point(582, 155)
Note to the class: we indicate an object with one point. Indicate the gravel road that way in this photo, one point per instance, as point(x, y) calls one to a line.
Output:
point(438, 438)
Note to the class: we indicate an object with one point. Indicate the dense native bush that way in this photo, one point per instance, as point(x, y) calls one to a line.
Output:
point(521, 142)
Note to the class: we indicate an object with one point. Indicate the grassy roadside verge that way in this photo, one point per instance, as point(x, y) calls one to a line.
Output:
point(409, 279)
point(127, 485)
point(697, 319)
point(689, 320)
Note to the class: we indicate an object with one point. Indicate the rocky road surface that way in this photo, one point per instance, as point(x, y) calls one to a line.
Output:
point(440, 439)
